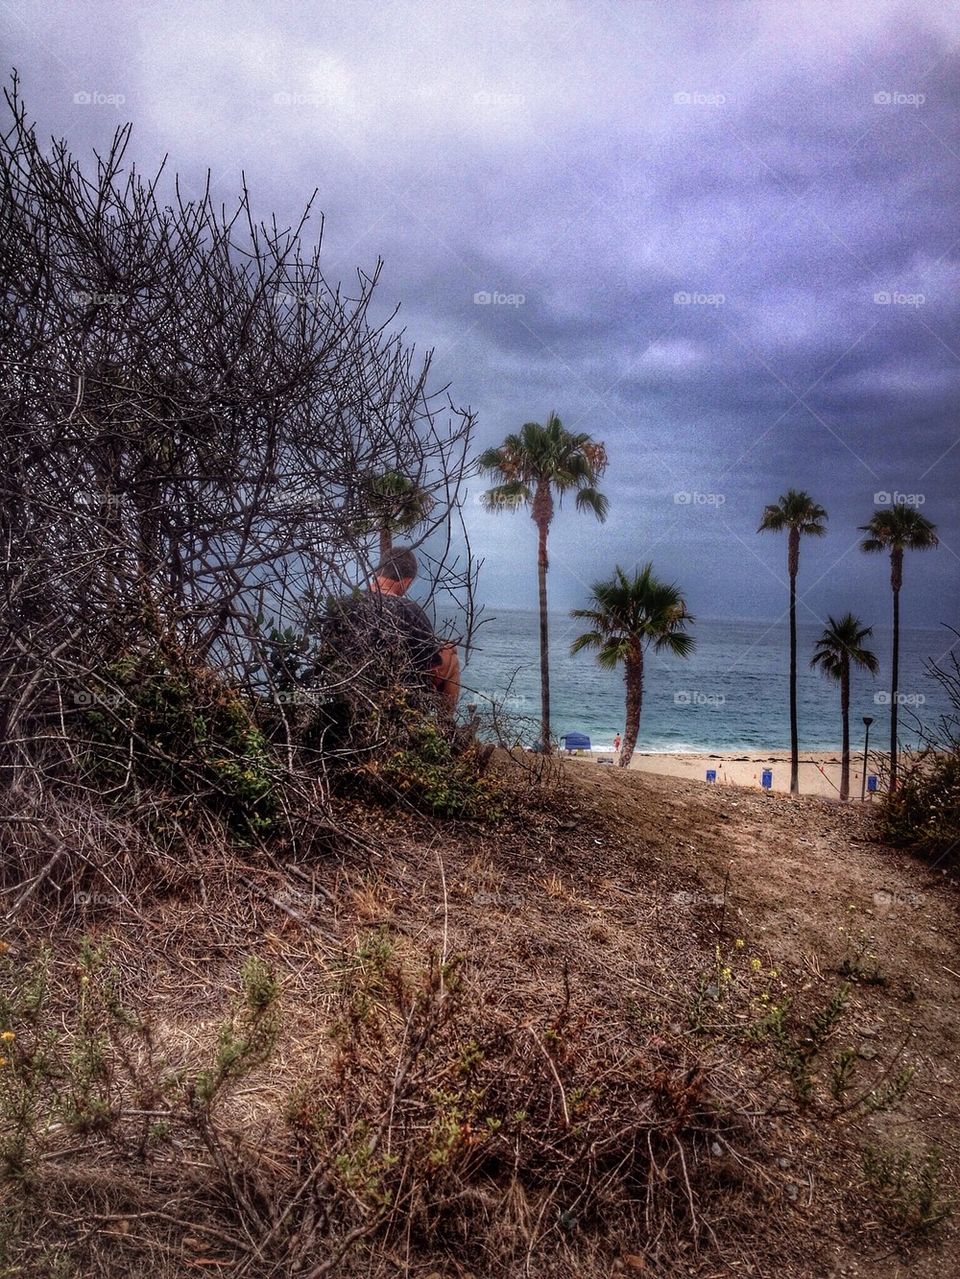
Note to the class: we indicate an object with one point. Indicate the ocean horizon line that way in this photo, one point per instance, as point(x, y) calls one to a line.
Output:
point(499, 610)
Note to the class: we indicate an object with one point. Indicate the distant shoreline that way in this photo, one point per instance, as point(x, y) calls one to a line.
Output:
point(819, 771)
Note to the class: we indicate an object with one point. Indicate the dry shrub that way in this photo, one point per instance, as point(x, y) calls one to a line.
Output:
point(435, 1123)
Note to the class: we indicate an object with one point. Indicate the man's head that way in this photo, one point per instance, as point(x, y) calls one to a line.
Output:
point(395, 572)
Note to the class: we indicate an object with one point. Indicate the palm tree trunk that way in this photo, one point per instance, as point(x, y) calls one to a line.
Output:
point(386, 541)
point(794, 736)
point(633, 678)
point(895, 688)
point(845, 712)
point(544, 639)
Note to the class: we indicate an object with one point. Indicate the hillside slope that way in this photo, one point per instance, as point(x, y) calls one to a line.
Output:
point(647, 1026)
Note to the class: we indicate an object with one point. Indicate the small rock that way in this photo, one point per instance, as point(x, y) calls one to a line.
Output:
point(792, 1192)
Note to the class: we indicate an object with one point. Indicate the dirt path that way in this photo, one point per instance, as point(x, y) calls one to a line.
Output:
point(807, 880)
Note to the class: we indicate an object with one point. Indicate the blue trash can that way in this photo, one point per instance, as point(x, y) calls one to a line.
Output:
point(766, 778)
point(711, 774)
point(872, 782)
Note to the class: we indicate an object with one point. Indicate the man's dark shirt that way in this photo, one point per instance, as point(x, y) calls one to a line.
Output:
point(389, 633)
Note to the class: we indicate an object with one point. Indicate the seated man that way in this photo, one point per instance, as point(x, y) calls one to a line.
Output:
point(392, 578)
point(387, 638)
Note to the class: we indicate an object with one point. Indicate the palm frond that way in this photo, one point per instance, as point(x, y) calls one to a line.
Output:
point(507, 497)
point(841, 645)
point(551, 456)
point(794, 509)
point(633, 612)
point(589, 639)
point(899, 527)
point(590, 499)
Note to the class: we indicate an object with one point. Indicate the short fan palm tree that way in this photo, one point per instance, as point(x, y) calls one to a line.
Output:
point(393, 504)
point(840, 647)
point(897, 529)
point(530, 469)
point(627, 616)
point(800, 515)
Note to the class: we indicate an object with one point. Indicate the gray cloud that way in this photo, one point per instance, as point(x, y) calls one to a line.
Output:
point(784, 167)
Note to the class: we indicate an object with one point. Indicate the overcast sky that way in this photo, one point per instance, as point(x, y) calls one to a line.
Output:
point(721, 237)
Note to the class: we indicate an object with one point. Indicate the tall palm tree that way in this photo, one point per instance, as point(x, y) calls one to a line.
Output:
point(799, 514)
point(628, 615)
point(393, 504)
point(897, 529)
point(530, 468)
point(838, 648)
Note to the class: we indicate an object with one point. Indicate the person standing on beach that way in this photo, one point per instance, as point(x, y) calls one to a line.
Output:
point(616, 745)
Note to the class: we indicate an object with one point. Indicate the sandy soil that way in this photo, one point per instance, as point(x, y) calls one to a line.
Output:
point(614, 892)
point(819, 771)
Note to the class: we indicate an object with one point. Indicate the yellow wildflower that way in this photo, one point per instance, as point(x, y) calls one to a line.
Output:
point(739, 943)
point(8, 1036)
point(755, 964)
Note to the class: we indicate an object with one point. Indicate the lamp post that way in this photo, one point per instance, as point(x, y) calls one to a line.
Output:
point(867, 721)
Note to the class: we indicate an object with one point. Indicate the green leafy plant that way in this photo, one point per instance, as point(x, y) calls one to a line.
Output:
point(151, 719)
point(860, 963)
point(247, 1038)
point(433, 774)
point(842, 1070)
point(908, 1190)
point(923, 813)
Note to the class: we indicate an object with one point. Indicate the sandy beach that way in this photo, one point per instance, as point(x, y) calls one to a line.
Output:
point(819, 771)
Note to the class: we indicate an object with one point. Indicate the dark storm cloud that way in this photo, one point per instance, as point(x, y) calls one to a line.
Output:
point(722, 237)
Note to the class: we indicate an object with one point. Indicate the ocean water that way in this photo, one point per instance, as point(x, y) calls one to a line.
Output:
point(732, 694)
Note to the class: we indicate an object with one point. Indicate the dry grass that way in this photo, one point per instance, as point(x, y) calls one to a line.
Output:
point(437, 982)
